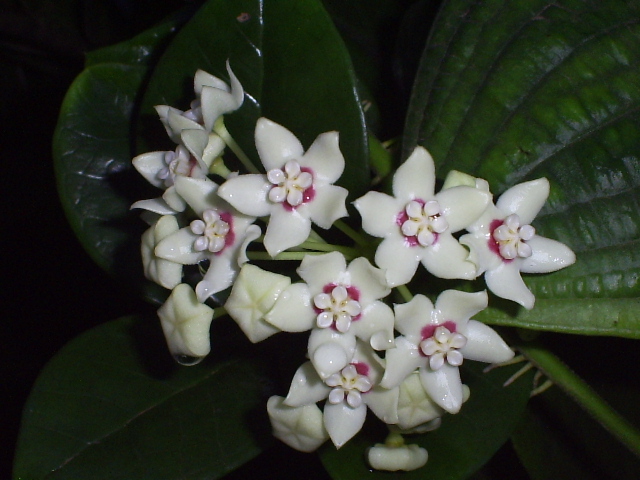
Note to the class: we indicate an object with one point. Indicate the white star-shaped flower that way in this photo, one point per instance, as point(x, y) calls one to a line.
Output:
point(297, 188)
point(339, 304)
point(417, 225)
point(348, 393)
point(185, 323)
point(503, 243)
point(437, 339)
point(220, 235)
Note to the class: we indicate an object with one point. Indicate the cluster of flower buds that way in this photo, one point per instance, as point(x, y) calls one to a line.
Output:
point(401, 363)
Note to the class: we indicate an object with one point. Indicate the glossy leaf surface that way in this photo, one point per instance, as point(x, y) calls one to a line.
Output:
point(113, 404)
point(516, 91)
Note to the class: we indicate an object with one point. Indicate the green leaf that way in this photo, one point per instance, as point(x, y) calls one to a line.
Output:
point(462, 444)
point(291, 63)
point(557, 440)
point(92, 154)
point(112, 404)
point(516, 91)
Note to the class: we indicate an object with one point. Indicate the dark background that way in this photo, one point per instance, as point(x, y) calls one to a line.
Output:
point(51, 290)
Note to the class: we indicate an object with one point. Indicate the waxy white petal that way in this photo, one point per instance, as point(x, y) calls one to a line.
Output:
point(548, 256)
point(379, 212)
point(459, 306)
point(324, 158)
point(328, 205)
point(320, 270)
point(484, 344)
point(286, 229)
point(401, 361)
point(148, 165)
point(155, 205)
point(247, 194)
point(370, 280)
point(443, 386)
point(220, 275)
point(412, 316)
point(448, 259)
point(199, 193)
point(375, 326)
point(462, 206)
point(330, 351)
point(398, 260)
point(383, 403)
point(416, 177)
point(480, 254)
point(506, 282)
point(415, 407)
point(343, 422)
point(275, 144)
point(306, 387)
point(525, 199)
point(293, 311)
point(178, 247)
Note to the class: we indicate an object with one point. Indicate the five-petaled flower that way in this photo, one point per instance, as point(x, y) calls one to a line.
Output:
point(297, 188)
point(435, 340)
point(417, 225)
point(220, 235)
point(503, 243)
point(337, 303)
point(348, 393)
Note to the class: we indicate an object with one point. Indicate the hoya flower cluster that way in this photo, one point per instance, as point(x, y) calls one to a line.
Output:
point(399, 361)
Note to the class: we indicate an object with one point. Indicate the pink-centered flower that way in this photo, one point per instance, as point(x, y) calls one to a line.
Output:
point(503, 243)
point(338, 304)
point(348, 392)
point(417, 225)
point(297, 189)
point(220, 235)
point(437, 339)
point(192, 158)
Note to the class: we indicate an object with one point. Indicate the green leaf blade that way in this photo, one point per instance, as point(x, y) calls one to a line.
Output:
point(98, 407)
point(512, 93)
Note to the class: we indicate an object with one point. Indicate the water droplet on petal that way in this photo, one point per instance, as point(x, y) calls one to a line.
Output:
point(187, 360)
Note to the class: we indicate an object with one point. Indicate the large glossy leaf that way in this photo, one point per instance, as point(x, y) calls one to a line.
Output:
point(462, 444)
point(92, 153)
point(513, 91)
point(113, 404)
point(293, 67)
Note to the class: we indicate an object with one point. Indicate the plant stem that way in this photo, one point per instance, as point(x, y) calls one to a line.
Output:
point(584, 395)
point(348, 252)
point(404, 292)
point(222, 131)
point(351, 233)
point(281, 256)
